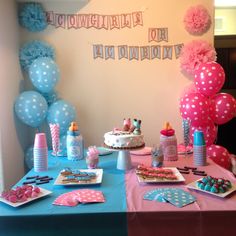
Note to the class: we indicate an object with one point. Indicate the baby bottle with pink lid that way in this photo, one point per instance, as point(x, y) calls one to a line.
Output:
point(168, 142)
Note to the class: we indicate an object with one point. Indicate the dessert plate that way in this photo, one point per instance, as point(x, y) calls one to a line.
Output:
point(193, 185)
point(96, 180)
point(179, 176)
point(43, 192)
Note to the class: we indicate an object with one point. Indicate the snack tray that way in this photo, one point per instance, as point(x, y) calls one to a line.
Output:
point(43, 193)
point(193, 185)
point(176, 172)
point(97, 180)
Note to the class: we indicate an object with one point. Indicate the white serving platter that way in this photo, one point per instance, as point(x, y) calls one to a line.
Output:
point(193, 185)
point(97, 180)
point(176, 172)
point(43, 193)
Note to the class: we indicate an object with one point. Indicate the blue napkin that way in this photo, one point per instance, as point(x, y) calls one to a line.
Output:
point(175, 196)
point(178, 197)
point(155, 195)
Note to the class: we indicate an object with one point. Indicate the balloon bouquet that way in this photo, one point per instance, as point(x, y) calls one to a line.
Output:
point(205, 108)
point(35, 107)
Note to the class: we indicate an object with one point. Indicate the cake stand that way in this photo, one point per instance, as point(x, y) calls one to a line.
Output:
point(124, 158)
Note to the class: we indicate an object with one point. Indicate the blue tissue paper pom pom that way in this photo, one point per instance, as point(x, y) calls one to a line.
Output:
point(32, 17)
point(33, 50)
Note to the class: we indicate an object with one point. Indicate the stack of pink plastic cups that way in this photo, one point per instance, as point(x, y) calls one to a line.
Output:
point(40, 153)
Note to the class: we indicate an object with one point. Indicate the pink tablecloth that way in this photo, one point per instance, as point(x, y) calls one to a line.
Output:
point(209, 215)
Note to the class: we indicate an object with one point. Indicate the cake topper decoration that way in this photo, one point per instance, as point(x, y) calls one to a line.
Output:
point(126, 124)
point(137, 126)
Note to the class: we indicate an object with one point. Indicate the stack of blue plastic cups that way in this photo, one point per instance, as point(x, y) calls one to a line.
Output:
point(199, 148)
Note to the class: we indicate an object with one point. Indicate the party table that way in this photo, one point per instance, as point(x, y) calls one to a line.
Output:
point(41, 217)
point(209, 215)
point(124, 212)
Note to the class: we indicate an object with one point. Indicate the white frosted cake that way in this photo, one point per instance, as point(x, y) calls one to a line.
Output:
point(123, 140)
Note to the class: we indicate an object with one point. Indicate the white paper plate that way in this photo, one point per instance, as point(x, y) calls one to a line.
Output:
point(193, 185)
point(43, 192)
point(179, 179)
point(97, 180)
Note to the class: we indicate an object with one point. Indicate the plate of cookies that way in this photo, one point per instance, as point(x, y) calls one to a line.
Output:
point(219, 187)
point(70, 176)
point(148, 174)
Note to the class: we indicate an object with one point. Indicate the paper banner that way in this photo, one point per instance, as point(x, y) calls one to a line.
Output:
point(137, 52)
point(97, 21)
point(157, 34)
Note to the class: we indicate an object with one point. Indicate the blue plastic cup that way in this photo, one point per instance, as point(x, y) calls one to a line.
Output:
point(198, 138)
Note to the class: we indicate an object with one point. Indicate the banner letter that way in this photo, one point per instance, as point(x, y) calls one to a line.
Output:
point(133, 53)
point(137, 18)
point(123, 51)
point(178, 48)
point(72, 21)
point(145, 52)
point(97, 51)
point(167, 52)
point(60, 20)
point(109, 52)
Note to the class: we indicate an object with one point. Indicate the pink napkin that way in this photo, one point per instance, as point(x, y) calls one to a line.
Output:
point(67, 199)
point(79, 196)
point(89, 196)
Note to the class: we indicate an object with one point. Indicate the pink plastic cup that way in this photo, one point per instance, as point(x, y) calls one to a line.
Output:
point(40, 140)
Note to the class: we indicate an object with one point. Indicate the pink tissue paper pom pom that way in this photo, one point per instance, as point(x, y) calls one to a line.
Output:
point(197, 20)
point(194, 53)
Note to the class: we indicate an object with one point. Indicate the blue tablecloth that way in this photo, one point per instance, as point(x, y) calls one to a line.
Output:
point(41, 217)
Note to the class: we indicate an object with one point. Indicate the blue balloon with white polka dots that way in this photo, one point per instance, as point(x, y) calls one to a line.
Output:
point(62, 113)
point(31, 108)
point(44, 74)
point(29, 157)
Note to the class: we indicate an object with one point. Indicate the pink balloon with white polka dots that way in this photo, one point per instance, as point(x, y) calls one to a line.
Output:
point(223, 106)
point(209, 78)
point(195, 107)
point(219, 155)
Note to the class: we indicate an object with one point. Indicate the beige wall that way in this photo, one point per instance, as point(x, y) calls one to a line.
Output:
point(228, 16)
point(106, 91)
point(103, 91)
point(11, 153)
